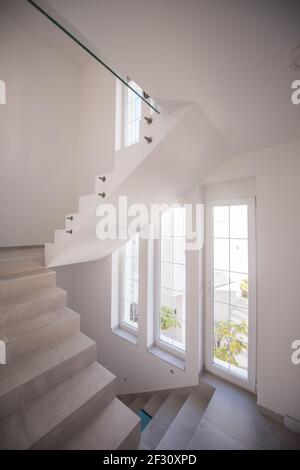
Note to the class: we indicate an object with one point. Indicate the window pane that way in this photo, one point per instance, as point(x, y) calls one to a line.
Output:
point(131, 282)
point(133, 115)
point(179, 334)
point(179, 305)
point(167, 224)
point(136, 269)
point(221, 312)
point(172, 278)
point(138, 109)
point(179, 250)
point(131, 112)
point(221, 286)
point(166, 249)
point(179, 277)
point(166, 275)
point(239, 256)
point(129, 290)
point(179, 222)
point(128, 267)
point(221, 221)
point(239, 341)
point(221, 254)
point(166, 299)
point(130, 132)
point(136, 131)
point(230, 292)
point(239, 221)
point(239, 289)
point(221, 336)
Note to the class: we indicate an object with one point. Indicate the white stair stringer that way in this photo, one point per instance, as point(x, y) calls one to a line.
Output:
point(188, 152)
point(126, 160)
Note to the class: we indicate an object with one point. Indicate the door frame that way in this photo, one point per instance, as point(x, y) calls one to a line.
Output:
point(250, 383)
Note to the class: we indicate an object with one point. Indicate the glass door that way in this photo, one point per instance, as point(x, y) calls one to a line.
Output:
point(231, 291)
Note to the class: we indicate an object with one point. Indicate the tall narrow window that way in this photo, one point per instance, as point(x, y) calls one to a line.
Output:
point(232, 289)
point(171, 291)
point(130, 283)
point(133, 114)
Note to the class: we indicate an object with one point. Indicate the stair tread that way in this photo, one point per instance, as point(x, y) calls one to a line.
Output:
point(107, 431)
point(137, 404)
point(184, 424)
point(26, 368)
point(21, 253)
point(22, 328)
point(7, 304)
point(23, 429)
point(155, 430)
point(153, 405)
point(26, 274)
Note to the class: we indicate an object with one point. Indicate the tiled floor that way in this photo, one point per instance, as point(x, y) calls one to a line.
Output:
point(232, 420)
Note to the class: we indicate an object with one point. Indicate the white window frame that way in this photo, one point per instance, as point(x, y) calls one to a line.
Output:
point(125, 326)
point(250, 382)
point(169, 348)
point(125, 113)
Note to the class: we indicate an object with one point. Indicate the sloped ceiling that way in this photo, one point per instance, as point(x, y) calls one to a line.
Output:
point(229, 56)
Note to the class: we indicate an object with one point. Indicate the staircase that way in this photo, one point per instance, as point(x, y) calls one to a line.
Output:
point(185, 148)
point(53, 392)
point(175, 415)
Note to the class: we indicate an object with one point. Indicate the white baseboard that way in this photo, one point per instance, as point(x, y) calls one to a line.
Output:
point(291, 423)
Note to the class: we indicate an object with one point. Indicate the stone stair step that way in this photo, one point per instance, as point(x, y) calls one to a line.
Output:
point(115, 427)
point(16, 260)
point(155, 430)
point(33, 303)
point(30, 377)
point(12, 285)
point(50, 420)
point(38, 332)
point(137, 404)
point(153, 405)
point(126, 399)
point(184, 424)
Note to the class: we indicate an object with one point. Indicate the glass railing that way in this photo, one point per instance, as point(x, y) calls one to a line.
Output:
point(70, 31)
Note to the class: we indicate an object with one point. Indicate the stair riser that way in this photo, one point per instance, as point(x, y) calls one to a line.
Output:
point(41, 338)
point(21, 396)
point(75, 422)
point(19, 286)
point(132, 440)
point(33, 308)
point(21, 265)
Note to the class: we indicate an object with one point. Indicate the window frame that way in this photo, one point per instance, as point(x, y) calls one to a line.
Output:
point(125, 113)
point(250, 382)
point(121, 268)
point(163, 345)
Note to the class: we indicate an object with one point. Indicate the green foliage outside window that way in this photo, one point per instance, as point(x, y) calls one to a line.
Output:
point(244, 288)
point(168, 318)
point(229, 340)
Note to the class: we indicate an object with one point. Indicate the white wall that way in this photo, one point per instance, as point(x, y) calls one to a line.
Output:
point(277, 172)
point(97, 125)
point(38, 128)
point(56, 133)
point(272, 174)
point(89, 288)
